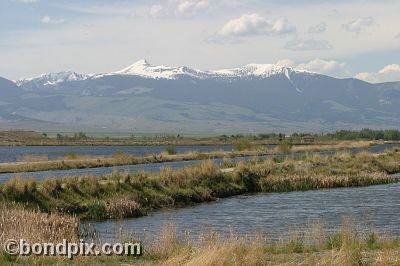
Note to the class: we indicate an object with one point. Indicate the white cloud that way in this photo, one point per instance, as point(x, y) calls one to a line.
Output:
point(285, 63)
point(331, 67)
point(49, 20)
point(254, 25)
point(190, 7)
point(282, 26)
point(178, 8)
point(398, 36)
point(386, 74)
point(358, 25)
point(308, 45)
point(319, 28)
point(157, 11)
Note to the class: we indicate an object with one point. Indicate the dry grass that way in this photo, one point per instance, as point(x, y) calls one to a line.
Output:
point(119, 208)
point(312, 245)
point(315, 247)
point(336, 146)
point(74, 161)
point(137, 193)
point(17, 222)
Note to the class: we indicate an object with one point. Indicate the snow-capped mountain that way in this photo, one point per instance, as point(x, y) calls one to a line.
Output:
point(252, 98)
point(51, 79)
point(257, 70)
point(143, 68)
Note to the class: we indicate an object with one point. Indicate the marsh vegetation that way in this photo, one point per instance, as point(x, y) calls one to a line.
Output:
point(128, 194)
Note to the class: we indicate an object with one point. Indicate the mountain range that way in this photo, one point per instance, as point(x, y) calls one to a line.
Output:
point(250, 99)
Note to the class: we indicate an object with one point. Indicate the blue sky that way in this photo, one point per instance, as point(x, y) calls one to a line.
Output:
point(352, 38)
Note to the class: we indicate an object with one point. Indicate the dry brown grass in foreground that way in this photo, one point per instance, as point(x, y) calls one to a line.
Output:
point(314, 246)
point(17, 222)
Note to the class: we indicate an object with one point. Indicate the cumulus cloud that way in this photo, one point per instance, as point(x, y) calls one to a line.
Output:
point(178, 8)
point(327, 67)
point(286, 63)
point(386, 74)
point(358, 25)
point(49, 20)
point(252, 25)
point(308, 45)
point(190, 7)
point(319, 28)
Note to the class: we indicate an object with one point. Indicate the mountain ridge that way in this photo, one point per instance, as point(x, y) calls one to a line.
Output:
point(249, 99)
point(144, 69)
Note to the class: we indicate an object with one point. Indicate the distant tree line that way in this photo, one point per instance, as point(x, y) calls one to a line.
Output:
point(365, 134)
point(76, 136)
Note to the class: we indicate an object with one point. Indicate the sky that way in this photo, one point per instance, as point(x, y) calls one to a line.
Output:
point(341, 38)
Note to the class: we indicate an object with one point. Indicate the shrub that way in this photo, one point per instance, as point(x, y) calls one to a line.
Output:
point(170, 149)
point(242, 144)
point(285, 146)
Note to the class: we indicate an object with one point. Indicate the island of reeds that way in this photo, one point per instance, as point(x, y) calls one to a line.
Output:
point(126, 194)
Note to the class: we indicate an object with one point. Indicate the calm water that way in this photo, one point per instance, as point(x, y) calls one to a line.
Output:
point(11, 153)
point(369, 208)
point(155, 166)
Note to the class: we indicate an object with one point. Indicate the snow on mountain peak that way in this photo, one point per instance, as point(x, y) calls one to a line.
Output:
point(145, 69)
point(261, 70)
point(49, 79)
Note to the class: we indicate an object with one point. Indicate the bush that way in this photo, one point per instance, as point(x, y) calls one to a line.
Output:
point(242, 144)
point(285, 147)
point(170, 149)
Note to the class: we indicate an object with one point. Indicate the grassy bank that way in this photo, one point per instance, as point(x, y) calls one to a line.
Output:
point(128, 195)
point(313, 246)
point(74, 161)
point(118, 159)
